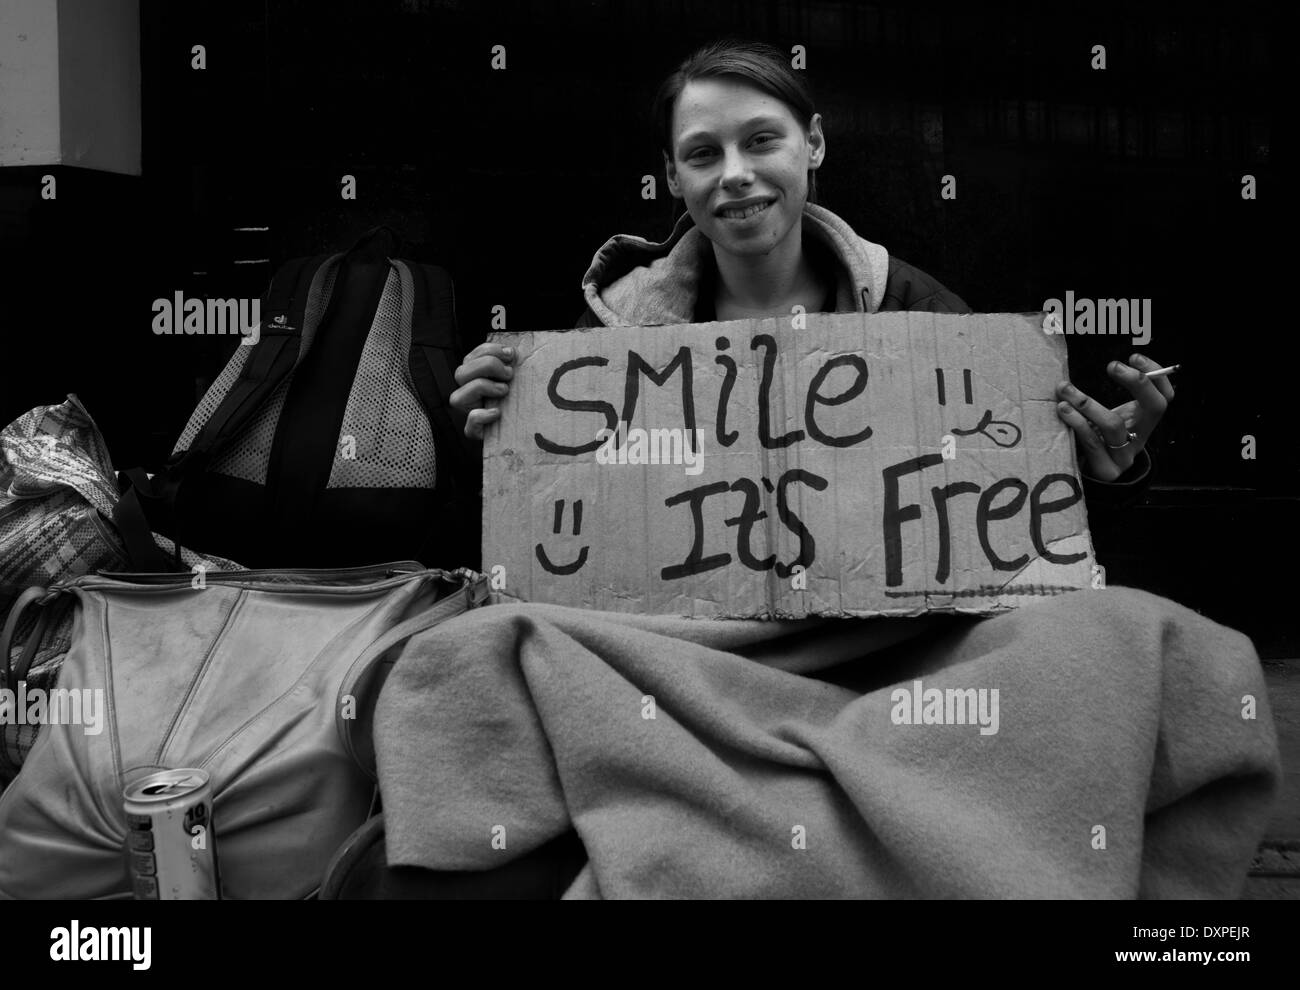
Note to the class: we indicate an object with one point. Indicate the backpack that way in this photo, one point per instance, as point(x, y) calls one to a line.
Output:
point(330, 441)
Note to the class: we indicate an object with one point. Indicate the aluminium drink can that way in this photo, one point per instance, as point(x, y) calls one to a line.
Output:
point(169, 837)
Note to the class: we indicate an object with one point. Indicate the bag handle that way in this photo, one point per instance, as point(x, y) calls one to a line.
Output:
point(360, 745)
point(367, 245)
point(133, 526)
point(9, 767)
point(44, 622)
point(14, 675)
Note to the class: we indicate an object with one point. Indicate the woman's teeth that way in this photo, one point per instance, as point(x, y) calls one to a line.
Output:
point(747, 212)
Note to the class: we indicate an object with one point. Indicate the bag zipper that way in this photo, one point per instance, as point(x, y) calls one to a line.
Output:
point(306, 576)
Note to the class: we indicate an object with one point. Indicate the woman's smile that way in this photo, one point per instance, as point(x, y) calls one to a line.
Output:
point(741, 215)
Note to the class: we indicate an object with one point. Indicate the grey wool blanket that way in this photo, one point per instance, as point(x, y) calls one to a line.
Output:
point(1128, 751)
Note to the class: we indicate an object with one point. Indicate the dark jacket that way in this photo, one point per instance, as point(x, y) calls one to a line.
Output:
point(634, 282)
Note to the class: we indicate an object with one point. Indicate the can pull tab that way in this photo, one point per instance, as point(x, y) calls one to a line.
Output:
point(167, 786)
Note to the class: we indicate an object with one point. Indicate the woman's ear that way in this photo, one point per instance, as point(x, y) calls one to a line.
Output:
point(670, 171)
point(816, 142)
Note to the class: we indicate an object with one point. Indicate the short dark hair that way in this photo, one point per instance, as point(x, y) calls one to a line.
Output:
point(758, 64)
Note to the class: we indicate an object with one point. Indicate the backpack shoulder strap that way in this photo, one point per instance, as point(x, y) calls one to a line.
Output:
point(435, 352)
point(272, 358)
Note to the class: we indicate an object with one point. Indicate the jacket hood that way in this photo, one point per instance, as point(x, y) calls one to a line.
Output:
point(633, 282)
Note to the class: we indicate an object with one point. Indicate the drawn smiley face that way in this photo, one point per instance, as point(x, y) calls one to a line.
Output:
point(1002, 433)
point(574, 565)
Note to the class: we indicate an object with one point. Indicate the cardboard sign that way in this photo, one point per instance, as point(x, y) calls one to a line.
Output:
point(855, 465)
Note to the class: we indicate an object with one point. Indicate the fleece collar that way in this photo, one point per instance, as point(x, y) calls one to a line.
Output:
point(633, 282)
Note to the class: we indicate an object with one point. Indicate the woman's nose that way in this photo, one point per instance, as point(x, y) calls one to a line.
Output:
point(736, 170)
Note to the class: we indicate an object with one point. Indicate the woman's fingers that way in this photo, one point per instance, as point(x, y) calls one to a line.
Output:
point(487, 360)
point(1101, 463)
point(1109, 427)
point(1145, 390)
point(1108, 421)
point(484, 366)
point(477, 391)
point(480, 419)
point(1162, 384)
point(482, 376)
point(1104, 432)
point(493, 349)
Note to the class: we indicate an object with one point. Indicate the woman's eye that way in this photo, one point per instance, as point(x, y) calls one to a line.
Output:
point(760, 140)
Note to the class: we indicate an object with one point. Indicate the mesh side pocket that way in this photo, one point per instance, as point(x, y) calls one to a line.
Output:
point(212, 397)
point(249, 454)
point(391, 442)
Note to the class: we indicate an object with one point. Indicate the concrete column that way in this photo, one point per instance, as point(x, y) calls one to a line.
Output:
point(70, 84)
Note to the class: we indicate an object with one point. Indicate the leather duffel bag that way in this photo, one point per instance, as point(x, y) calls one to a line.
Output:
point(265, 679)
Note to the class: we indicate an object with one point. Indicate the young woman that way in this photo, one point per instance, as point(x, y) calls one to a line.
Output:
point(1124, 765)
point(742, 143)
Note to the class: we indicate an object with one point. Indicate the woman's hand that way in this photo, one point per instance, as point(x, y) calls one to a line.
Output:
point(1109, 449)
point(483, 375)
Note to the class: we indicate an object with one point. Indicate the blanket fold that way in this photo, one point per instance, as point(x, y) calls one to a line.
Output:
point(785, 759)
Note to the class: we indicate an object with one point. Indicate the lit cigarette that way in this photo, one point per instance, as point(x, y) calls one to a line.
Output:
point(1162, 371)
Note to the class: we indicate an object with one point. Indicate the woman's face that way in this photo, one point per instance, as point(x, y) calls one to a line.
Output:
point(736, 148)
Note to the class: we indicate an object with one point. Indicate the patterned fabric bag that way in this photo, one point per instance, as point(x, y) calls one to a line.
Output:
point(58, 502)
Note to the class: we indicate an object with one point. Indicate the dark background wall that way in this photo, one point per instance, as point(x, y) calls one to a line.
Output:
point(1117, 183)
